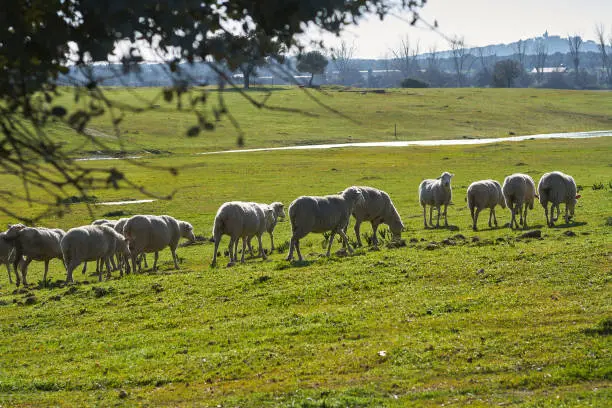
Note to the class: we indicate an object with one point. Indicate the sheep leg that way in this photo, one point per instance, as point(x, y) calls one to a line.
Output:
point(345, 240)
point(567, 216)
point(331, 241)
point(472, 215)
point(291, 245)
point(549, 223)
point(475, 219)
point(357, 233)
point(155, 260)
point(214, 260)
point(445, 215)
point(46, 270)
point(144, 257)
point(236, 249)
point(261, 251)
point(271, 241)
point(525, 218)
point(425, 216)
point(8, 269)
point(375, 234)
point(431, 215)
point(134, 254)
point(69, 268)
point(297, 248)
point(244, 240)
point(112, 262)
point(174, 257)
point(24, 270)
point(511, 207)
point(109, 263)
point(84, 268)
point(438, 221)
point(250, 246)
point(99, 270)
point(231, 250)
point(494, 216)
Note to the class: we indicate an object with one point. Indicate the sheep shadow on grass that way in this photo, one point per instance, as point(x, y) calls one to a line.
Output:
point(571, 224)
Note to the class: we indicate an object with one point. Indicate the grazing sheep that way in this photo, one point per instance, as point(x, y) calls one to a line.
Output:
point(119, 228)
point(110, 223)
point(519, 189)
point(92, 243)
point(152, 233)
point(484, 194)
point(435, 193)
point(240, 219)
point(278, 211)
point(377, 208)
point(556, 187)
point(321, 214)
point(35, 244)
point(7, 253)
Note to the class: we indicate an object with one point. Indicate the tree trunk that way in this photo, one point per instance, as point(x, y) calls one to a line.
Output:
point(311, 78)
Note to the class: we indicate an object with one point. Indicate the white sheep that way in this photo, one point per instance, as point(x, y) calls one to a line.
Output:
point(92, 243)
point(519, 190)
point(321, 214)
point(7, 253)
point(34, 244)
point(152, 233)
point(435, 193)
point(484, 194)
point(110, 223)
point(120, 224)
point(240, 219)
point(556, 187)
point(277, 212)
point(377, 208)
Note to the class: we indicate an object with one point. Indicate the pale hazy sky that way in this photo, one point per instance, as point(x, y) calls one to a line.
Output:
point(480, 22)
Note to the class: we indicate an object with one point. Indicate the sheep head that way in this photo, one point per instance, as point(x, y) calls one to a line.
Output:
point(445, 179)
point(279, 209)
point(186, 230)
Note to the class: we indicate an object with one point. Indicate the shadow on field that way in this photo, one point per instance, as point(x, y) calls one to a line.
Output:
point(570, 225)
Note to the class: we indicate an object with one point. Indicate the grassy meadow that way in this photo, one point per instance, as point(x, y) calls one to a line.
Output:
point(455, 317)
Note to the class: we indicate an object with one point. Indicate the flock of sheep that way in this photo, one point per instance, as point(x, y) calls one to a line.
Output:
point(129, 239)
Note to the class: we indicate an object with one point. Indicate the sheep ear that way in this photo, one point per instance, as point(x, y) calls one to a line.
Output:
point(452, 175)
point(438, 178)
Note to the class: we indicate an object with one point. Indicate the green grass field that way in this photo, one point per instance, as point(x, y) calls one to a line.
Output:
point(418, 114)
point(445, 320)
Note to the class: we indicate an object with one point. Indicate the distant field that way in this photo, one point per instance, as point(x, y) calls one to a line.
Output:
point(501, 320)
point(366, 116)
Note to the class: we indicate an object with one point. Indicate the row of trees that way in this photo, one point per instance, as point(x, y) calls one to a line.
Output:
point(465, 66)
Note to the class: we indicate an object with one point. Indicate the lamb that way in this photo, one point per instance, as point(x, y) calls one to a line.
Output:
point(91, 243)
point(435, 193)
point(484, 194)
point(278, 212)
point(240, 219)
point(519, 189)
point(320, 214)
point(377, 208)
point(35, 244)
point(7, 254)
point(556, 187)
point(151, 233)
